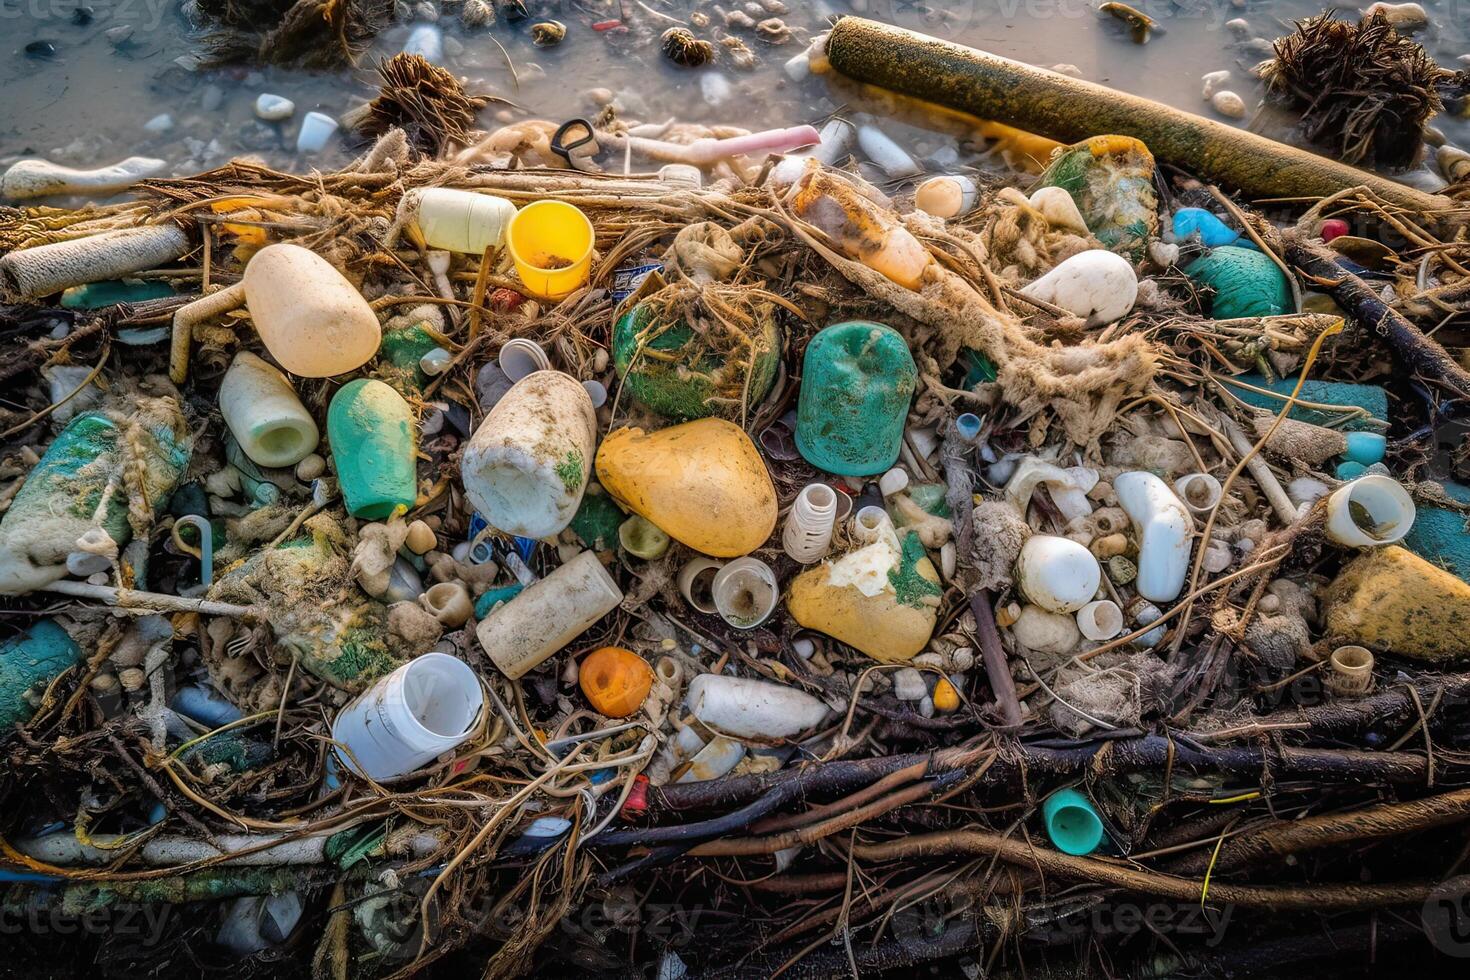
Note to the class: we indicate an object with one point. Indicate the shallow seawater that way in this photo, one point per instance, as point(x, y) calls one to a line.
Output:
point(74, 96)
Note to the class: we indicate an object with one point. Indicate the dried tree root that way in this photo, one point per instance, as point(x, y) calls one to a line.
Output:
point(1420, 354)
point(1316, 897)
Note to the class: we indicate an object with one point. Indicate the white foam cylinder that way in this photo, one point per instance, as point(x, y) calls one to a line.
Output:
point(38, 178)
point(527, 464)
point(415, 714)
point(807, 536)
point(462, 221)
point(748, 708)
point(1057, 574)
point(1100, 620)
point(1164, 526)
point(1200, 492)
point(264, 414)
point(548, 614)
point(1369, 511)
point(746, 592)
point(696, 582)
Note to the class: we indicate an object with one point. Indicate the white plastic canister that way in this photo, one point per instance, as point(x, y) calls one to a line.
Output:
point(264, 414)
point(420, 711)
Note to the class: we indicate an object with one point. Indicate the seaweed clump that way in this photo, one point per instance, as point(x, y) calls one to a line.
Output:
point(295, 33)
point(425, 101)
point(1364, 90)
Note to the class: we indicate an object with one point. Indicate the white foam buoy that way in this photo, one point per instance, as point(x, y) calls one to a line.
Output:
point(1097, 285)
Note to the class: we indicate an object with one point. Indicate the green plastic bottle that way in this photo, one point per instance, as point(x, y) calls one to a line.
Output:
point(30, 660)
point(857, 380)
point(372, 433)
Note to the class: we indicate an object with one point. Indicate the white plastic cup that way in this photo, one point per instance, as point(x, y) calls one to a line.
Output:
point(870, 524)
point(521, 357)
point(807, 536)
point(1369, 511)
point(407, 719)
point(462, 221)
point(746, 592)
point(316, 129)
point(696, 583)
point(264, 414)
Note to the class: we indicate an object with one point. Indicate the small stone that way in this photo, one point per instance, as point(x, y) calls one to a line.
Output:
point(715, 88)
point(600, 96)
point(41, 50)
point(82, 16)
point(1405, 17)
point(1228, 104)
point(1212, 82)
point(160, 123)
point(420, 539)
point(908, 685)
point(1240, 27)
point(211, 98)
point(119, 35)
point(1067, 69)
point(273, 108)
point(132, 678)
point(310, 467)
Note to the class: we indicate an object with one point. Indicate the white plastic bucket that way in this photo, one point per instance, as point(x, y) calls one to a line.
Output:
point(415, 714)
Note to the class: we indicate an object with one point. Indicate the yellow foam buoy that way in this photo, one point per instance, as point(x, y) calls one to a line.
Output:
point(946, 698)
point(1390, 598)
point(702, 483)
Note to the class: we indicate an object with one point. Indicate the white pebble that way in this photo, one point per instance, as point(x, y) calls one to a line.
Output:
point(1059, 209)
point(1240, 27)
point(715, 88)
point(908, 685)
point(1213, 81)
point(160, 123)
point(273, 108)
point(427, 41)
point(1228, 104)
point(1067, 69)
point(316, 129)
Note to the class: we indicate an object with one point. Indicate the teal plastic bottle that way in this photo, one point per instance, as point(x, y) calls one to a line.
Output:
point(30, 660)
point(372, 434)
point(856, 382)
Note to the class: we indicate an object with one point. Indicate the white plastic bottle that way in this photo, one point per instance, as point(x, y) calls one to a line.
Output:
point(462, 221)
point(264, 414)
point(548, 615)
point(807, 536)
point(420, 711)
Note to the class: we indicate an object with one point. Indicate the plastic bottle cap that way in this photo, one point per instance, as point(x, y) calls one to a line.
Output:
point(1071, 822)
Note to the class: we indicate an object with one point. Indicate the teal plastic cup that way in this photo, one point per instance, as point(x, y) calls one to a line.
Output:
point(1072, 822)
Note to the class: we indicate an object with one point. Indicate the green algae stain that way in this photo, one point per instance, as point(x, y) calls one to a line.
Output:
point(570, 470)
point(910, 587)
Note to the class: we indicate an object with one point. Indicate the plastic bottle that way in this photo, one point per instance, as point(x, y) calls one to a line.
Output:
point(28, 661)
point(420, 711)
point(548, 615)
point(807, 537)
point(858, 228)
point(527, 465)
point(372, 433)
point(857, 381)
point(262, 411)
point(461, 221)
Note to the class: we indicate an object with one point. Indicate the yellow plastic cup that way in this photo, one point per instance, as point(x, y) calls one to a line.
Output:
point(551, 243)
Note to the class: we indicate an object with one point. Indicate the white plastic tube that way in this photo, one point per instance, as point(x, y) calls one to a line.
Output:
point(1200, 492)
point(696, 583)
point(835, 140)
point(891, 158)
point(420, 711)
point(548, 615)
point(747, 708)
point(746, 592)
point(39, 178)
point(461, 221)
point(1057, 574)
point(527, 464)
point(807, 536)
point(1163, 524)
point(870, 524)
point(264, 414)
point(1100, 620)
point(1369, 511)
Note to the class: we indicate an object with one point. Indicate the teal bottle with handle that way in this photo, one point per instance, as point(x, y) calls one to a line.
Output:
point(371, 429)
point(856, 384)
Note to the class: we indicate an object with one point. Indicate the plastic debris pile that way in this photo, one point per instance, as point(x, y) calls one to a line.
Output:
point(402, 561)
